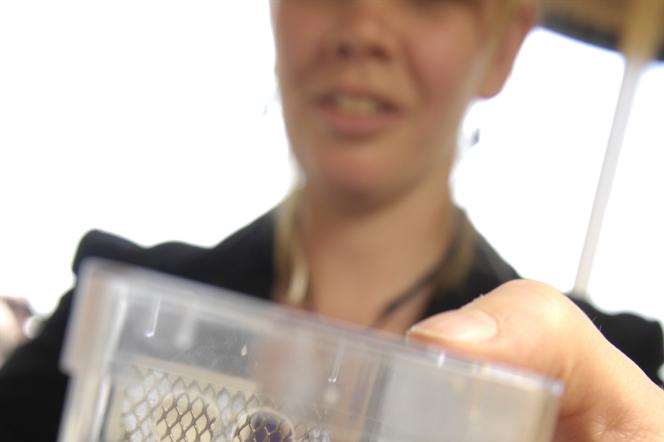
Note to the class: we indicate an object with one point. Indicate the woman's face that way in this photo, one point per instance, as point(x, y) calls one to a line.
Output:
point(373, 91)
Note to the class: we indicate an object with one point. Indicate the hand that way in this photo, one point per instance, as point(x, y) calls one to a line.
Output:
point(530, 325)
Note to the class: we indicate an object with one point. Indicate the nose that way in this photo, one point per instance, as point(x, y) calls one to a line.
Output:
point(363, 31)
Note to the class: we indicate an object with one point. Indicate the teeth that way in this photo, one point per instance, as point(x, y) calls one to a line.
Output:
point(356, 105)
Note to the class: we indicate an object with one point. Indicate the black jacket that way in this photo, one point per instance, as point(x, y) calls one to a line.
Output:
point(32, 387)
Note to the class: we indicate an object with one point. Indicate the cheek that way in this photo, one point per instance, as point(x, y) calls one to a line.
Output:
point(298, 32)
point(446, 73)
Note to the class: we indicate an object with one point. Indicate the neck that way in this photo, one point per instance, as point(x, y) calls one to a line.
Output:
point(361, 258)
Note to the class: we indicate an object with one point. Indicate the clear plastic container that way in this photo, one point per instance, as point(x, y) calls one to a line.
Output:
point(158, 358)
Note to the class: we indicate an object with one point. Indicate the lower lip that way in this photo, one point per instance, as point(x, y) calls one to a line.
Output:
point(356, 125)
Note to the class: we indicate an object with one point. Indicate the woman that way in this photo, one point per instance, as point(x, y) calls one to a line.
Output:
point(373, 94)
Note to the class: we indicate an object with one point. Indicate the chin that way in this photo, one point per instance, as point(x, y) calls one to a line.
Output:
point(358, 187)
point(357, 170)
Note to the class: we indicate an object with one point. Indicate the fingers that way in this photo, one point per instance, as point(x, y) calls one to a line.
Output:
point(532, 326)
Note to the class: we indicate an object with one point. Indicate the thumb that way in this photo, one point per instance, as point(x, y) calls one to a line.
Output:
point(532, 326)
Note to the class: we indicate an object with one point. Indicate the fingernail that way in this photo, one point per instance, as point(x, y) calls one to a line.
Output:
point(461, 325)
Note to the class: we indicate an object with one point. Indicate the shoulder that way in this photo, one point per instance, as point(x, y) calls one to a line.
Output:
point(640, 339)
point(31, 381)
point(483, 269)
point(244, 256)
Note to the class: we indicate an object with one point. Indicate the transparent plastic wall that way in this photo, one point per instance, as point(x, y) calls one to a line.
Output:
point(156, 358)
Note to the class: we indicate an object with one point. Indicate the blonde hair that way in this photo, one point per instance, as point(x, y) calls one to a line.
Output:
point(290, 265)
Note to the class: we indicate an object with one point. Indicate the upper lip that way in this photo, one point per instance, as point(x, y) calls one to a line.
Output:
point(387, 101)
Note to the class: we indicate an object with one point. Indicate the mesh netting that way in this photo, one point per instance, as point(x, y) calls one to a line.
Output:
point(163, 407)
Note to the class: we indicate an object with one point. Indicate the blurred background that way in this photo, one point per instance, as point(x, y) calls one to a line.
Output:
point(160, 121)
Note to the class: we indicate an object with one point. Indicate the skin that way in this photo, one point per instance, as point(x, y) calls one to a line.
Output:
point(376, 206)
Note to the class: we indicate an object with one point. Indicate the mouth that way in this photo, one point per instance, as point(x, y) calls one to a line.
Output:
point(357, 113)
point(358, 105)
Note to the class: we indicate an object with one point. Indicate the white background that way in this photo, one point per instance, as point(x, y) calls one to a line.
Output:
point(159, 121)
